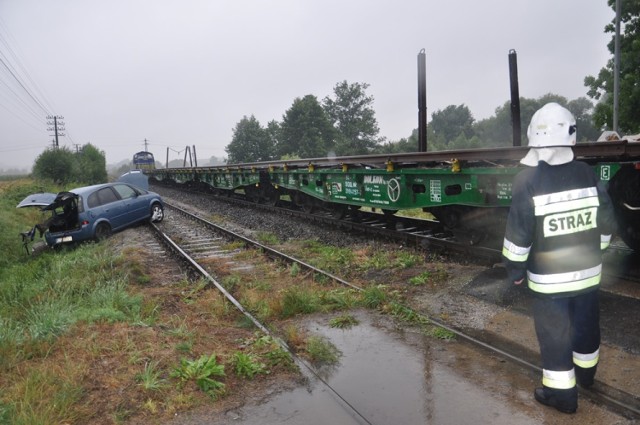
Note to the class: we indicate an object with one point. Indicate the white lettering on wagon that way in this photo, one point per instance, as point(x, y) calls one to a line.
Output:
point(605, 173)
point(435, 191)
point(351, 188)
point(374, 180)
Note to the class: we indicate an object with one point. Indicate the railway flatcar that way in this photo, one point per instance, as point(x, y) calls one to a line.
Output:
point(144, 160)
point(468, 191)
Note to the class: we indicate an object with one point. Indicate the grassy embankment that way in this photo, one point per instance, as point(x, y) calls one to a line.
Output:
point(86, 337)
point(41, 299)
point(91, 335)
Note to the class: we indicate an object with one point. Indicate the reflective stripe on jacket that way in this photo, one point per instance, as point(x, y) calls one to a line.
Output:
point(560, 220)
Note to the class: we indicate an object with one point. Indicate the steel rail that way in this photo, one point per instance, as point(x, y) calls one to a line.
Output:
point(622, 402)
point(273, 253)
point(299, 361)
point(413, 239)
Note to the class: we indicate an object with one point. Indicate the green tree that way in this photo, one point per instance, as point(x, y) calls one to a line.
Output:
point(61, 165)
point(351, 113)
point(601, 87)
point(582, 110)
point(58, 165)
point(250, 142)
point(274, 134)
point(400, 146)
point(408, 144)
point(496, 131)
point(451, 122)
point(92, 165)
point(305, 130)
point(454, 128)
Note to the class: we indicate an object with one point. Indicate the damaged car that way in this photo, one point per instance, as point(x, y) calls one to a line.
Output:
point(93, 212)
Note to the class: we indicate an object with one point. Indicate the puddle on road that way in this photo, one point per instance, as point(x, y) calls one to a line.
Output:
point(392, 378)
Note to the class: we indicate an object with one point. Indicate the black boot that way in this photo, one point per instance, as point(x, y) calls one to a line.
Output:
point(585, 376)
point(566, 401)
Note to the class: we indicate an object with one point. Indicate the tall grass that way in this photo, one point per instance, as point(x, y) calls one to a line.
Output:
point(13, 221)
point(44, 396)
point(41, 299)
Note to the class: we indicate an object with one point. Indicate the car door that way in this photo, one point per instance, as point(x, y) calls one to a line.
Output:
point(105, 204)
point(136, 207)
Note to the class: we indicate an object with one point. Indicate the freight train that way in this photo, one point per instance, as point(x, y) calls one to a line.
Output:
point(468, 191)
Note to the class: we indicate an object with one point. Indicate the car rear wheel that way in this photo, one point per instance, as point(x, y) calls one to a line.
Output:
point(103, 231)
point(157, 213)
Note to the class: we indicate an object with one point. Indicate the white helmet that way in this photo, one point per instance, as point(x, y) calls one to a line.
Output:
point(552, 125)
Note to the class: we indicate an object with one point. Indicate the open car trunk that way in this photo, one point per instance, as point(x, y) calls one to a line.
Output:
point(63, 207)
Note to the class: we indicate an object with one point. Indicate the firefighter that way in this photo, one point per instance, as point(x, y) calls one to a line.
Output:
point(559, 222)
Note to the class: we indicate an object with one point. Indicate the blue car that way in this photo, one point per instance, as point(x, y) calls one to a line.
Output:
point(94, 212)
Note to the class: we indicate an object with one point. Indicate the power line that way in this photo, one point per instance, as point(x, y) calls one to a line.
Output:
point(16, 78)
point(23, 86)
point(23, 148)
point(20, 118)
point(14, 72)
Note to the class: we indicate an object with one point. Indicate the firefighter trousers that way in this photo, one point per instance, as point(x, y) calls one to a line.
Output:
point(568, 331)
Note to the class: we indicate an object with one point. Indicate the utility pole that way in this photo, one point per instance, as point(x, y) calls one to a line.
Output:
point(57, 128)
point(616, 68)
point(145, 145)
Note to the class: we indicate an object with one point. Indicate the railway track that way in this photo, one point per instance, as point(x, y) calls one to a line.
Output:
point(202, 243)
point(411, 232)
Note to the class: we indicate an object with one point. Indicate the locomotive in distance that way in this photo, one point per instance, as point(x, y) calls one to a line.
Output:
point(143, 160)
point(468, 191)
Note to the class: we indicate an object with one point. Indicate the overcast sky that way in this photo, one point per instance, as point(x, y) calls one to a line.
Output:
point(185, 72)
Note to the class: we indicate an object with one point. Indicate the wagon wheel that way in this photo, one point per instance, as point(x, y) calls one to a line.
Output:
point(308, 205)
point(252, 194)
point(305, 202)
point(272, 196)
point(390, 218)
point(339, 211)
point(354, 213)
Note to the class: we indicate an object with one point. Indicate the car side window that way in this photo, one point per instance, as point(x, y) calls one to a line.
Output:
point(80, 204)
point(125, 191)
point(101, 197)
point(92, 200)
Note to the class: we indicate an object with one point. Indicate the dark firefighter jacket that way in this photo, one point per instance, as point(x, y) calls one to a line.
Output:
point(560, 220)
